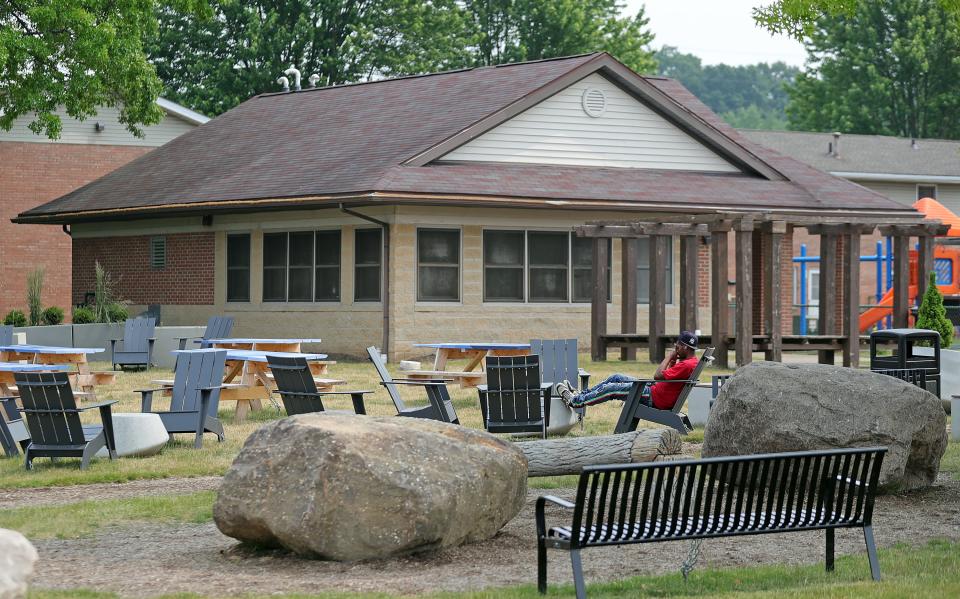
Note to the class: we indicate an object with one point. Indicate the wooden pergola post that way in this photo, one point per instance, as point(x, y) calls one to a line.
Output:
point(719, 276)
point(598, 303)
point(827, 316)
point(688, 282)
point(772, 296)
point(658, 296)
point(628, 282)
point(925, 263)
point(851, 298)
point(901, 281)
point(744, 326)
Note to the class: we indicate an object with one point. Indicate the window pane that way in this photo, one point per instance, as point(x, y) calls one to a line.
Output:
point(238, 285)
point(301, 285)
point(439, 283)
point(583, 251)
point(503, 284)
point(926, 191)
point(368, 246)
point(301, 248)
point(328, 284)
point(275, 249)
point(583, 269)
point(435, 246)
point(328, 248)
point(548, 284)
point(501, 248)
point(548, 249)
point(367, 284)
point(274, 284)
point(238, 250)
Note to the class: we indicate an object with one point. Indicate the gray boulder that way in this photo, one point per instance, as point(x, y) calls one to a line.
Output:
point(17, 558)
point(345, 487)
point(769, 407)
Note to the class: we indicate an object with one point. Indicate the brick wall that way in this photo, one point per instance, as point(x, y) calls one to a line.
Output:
point(31, 174)
point(187, 278)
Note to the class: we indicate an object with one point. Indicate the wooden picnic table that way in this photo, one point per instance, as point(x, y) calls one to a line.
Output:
point(9, 369)
point(255, 344)
point(248, 381)
point(472, 374)
point(83, 379)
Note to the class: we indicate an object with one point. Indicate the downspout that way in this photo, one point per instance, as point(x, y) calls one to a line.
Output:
point(386, 271)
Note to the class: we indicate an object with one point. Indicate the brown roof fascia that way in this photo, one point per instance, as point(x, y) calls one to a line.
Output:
point(631, 83)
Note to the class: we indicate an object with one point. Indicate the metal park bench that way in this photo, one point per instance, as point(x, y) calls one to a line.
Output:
point(716, 497)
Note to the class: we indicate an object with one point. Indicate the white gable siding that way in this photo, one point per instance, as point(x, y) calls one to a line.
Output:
point(557, 131)
point(114, 133)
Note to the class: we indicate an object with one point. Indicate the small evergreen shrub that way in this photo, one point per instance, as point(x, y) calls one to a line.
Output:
point(16, 318)
point(117, 313)
point(83, 315)
point(53, 315)
point(932, 315)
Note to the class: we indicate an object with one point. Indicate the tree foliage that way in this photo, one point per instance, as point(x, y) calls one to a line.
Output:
point(797, 18)
point(932, 315)
point(749, 96)
point(215, 64)
point(892, 67)
point(80, 54)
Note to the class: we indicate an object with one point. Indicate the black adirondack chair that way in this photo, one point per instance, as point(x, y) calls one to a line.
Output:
point(514, 400)
point(634, 411)
point(137, 344)
point(440, 405)
point(298, 390)
point(218, 327)
point(6, 334)
point(14, 436)
point(558, 363)
point(195, 395)
point(53, 420)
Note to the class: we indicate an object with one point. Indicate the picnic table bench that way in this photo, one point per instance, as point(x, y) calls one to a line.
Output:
point(715, 497)
point(83, 379)
point(472, 374)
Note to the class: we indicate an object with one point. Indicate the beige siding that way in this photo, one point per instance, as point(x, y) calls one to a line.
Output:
point(114, 133)
point(948, 194)
point(558, 131)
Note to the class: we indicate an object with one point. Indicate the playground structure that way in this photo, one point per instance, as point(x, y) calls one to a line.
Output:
point(946, 262)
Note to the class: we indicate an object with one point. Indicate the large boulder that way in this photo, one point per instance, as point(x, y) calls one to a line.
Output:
point(345, 487)
point(17, 557)
point(769, 407)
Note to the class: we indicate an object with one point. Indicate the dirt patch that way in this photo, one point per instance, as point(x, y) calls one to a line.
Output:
point(150, 559)
point(13, 498)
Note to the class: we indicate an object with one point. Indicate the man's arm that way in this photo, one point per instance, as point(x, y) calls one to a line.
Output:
point(668, 362)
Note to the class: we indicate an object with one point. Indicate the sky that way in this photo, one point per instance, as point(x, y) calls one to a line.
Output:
point(718, 31)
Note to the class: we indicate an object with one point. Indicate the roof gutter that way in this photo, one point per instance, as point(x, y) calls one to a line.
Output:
point(386, 270)
point(895, 178)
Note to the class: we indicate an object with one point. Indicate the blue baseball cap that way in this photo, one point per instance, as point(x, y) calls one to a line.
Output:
point(689, 339)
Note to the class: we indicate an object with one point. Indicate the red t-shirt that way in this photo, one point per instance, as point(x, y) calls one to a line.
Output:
point(663, 395)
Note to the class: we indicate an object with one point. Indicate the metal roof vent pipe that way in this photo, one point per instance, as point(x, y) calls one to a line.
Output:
point(835, 146)
point(285, 83)
point(295, 73)
point(312, 79)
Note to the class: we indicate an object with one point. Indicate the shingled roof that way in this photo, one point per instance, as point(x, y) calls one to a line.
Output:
point(375, 143)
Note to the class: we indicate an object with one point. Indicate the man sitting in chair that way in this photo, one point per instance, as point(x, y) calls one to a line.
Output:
point(677, 366)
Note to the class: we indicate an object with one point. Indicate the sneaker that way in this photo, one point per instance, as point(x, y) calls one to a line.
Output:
point(566, 395)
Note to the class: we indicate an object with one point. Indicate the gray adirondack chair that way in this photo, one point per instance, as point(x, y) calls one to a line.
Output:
point(514, 400)
point(13, 430)
point(218, 327)
point(634, 410)
point(53, 420)
point(440, 405)
point(195, 395)
point(6, 334)
point(298, 390)
point(558, 363)
point(136, 347)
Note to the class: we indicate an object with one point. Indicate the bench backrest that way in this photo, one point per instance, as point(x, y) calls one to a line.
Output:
point(196, 369)
point(295, 384)
point(218, 327)
point(374, 354)
point(726, 496)
point(558, 360)
point(513, 390)
point(136, 332)
point(50, 408)
point(6, 334)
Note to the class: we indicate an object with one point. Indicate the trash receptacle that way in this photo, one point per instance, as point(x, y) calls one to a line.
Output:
point(904, 343)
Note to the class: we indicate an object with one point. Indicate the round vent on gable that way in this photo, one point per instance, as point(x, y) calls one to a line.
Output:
point(594, 101)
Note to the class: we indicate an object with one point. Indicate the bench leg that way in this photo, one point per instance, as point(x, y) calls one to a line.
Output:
point(829, 558)
point(578, 581)
point(541, 566)
point(872, 552)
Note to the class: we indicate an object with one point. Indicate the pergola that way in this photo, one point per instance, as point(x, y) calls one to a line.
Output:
point(758, 281)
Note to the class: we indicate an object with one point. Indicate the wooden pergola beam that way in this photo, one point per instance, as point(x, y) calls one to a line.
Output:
point(636, 230)
point(935, 228)
point(839, 228)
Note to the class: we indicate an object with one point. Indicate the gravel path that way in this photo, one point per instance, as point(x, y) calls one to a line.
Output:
point(12, 498)
point(145, 560)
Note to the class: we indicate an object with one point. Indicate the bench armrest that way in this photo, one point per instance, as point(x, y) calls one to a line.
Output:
point(423, 383)
point(141, 391)
point(541, 516)
point(98, 405)
point(415, 381)
point(556, 500)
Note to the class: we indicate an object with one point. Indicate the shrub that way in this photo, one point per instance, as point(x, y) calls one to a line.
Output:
point(53, 315)
point(83, 315)
point(932, 315)
point(34, 293)
point(117, 313)
point(16, 318)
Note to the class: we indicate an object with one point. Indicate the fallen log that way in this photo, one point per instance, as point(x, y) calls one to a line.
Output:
point(552, 457)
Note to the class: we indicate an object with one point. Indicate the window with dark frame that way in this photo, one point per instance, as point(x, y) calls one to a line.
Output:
point(438, 265)
point(926, 191)
point(548, 266)
point(582, 261)
point(503, 266)
point(275, 267)
point(300, 267)
point(643, 271)
point(238, 267)
point(327, 265)
point(368, 264)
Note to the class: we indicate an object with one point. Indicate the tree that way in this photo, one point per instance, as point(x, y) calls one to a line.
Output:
point(79, 54)
point(891, 68)
point(932, 315)
point(797, 18)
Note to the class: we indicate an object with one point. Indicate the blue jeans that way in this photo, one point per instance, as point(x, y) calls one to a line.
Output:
point(616, 386)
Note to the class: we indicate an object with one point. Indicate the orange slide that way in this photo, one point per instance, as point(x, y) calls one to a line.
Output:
point(883, 309)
